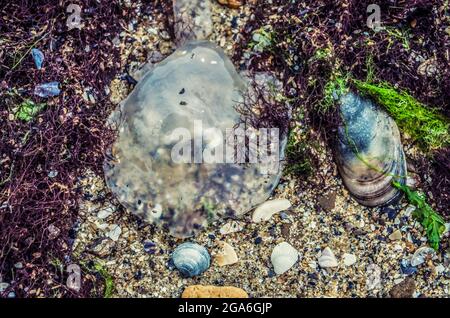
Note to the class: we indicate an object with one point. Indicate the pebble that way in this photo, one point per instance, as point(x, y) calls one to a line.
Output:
point(150, 247)
point(373, 278)
point(421, 255)
point(104, 213)
point(395, 236)
point(404, 289)
point(407, 269)
point(38, 57)
point(327, 258)
point(114, 232)
point(349, 259)
point(53, 231)
point(265, 211)
point(200, 291)
point(47, 89)
point(440, 269)
point(3, 287)
point(233, 4)
point(226, 255)
point(283, 257)
point(328, 201)
point(102, 247)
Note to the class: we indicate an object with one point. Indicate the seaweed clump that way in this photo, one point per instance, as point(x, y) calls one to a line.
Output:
point(423, 124)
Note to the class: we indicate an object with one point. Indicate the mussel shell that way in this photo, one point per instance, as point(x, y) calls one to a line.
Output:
point(369, 152)
point(191, 259)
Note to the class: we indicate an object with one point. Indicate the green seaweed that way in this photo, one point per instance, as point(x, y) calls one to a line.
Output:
point(432, 222)
point(109, 282)
point(424, 125)
point(263, 39)
point(28, 110)
point(209, 208)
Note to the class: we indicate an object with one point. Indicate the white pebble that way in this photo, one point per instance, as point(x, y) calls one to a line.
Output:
point(114, 232)
point(349, 259)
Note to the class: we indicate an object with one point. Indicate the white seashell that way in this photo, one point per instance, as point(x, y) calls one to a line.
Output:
point(265, 211)
point(423, 253)
point(349, 259)
point(327, 258)
point(226, 255)
point(191, 259)
point(231, 227)
point(283, 257)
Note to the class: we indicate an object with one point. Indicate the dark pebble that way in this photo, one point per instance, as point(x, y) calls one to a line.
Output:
point(138, 275)
point(391, 212)
point(258, 240)
point(408, 270)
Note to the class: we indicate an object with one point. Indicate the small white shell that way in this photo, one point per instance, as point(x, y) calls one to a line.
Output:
point(327, 258)
point(265, 211)
point(231, 227)
point(421, 255)
point(226, 255)
point(283, 257)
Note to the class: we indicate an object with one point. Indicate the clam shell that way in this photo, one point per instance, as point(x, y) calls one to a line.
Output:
point(327, 258)
point(265, 211)
point(283, 257)
point(191, 259)
point(369, 152)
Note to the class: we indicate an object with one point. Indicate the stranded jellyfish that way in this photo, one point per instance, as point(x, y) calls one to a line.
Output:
point(182, 157)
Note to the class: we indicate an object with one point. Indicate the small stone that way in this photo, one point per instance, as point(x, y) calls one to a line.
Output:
point(421, 255)
point(53, 231)
point(327, 259)
point(3, 287)
point(52, 174)
point(114, 232)
point(328, 201)
point(349, 259)
point(200, 291)
point(395, 236)
point(150, 247)
point(102, 247)
point(407, 269)
point(18, 265)
point(405, 289)
point(233, 4)
point(265, 211)
point(373, 278)
point(104, 213)
point(226, 255)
